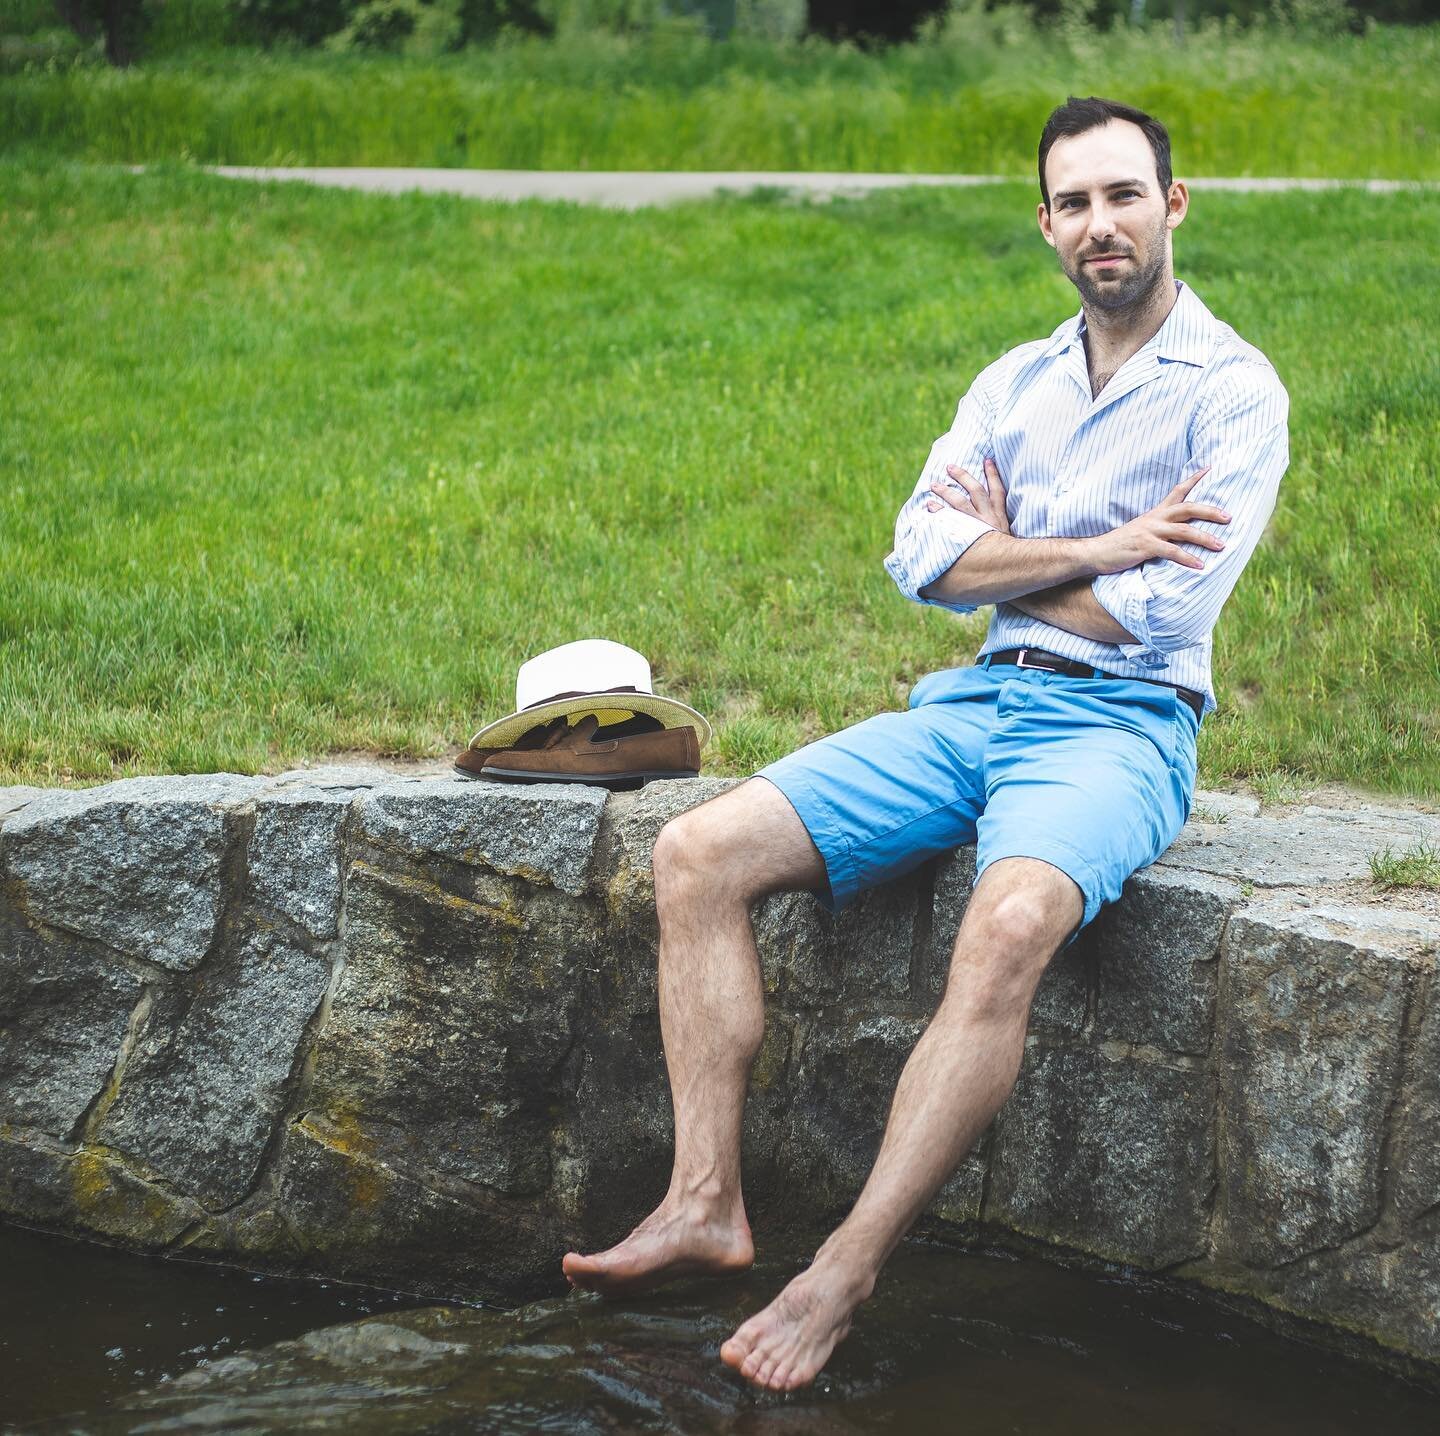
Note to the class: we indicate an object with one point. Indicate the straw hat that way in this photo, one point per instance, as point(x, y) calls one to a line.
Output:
point(593, 675)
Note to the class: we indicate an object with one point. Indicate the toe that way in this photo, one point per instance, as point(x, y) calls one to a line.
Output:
point(734, 1352)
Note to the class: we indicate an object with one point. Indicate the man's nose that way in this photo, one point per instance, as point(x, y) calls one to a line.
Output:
point(1102, 223)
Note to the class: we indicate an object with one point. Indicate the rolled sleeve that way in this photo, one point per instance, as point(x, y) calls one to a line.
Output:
point(926, 544)
point(1243, 441)
point(1126, 597)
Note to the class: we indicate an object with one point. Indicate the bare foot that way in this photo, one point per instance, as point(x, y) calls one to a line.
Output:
point(786, 1345)
point(670, 1242)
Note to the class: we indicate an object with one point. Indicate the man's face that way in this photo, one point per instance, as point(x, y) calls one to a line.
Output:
point(1108, 221)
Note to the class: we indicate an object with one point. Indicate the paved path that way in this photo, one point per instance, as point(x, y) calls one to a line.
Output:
point(635, 189)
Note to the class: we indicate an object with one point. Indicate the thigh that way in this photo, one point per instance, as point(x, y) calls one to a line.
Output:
point(881, 797)
point(747, 841)
point(1095, 777)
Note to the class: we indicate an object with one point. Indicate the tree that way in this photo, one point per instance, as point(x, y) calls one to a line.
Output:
point(119, 20)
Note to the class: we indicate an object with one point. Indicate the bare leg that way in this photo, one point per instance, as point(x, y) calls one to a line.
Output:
point(959, 1075)
point(710, 865)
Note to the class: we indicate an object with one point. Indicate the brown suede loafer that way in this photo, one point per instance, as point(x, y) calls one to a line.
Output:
point(624, 755)
point(472, 760)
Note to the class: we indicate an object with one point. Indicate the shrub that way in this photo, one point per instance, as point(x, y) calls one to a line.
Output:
point(422, 28)
point(306, 22)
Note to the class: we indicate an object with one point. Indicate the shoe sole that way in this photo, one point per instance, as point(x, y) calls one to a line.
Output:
point(604, 780)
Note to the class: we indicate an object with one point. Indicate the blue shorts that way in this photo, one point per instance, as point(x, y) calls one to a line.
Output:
point(1093, 775)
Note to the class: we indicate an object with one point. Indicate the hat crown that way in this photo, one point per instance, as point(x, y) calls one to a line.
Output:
point(589, 665)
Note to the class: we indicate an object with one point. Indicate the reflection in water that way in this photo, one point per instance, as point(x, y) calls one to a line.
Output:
point(980, 1343)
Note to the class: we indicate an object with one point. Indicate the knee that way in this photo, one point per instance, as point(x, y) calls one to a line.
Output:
point(690, 853)
point(999, 959)
point(1017, 930)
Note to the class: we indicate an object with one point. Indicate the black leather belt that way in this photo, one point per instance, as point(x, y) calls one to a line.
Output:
point(1055, 663)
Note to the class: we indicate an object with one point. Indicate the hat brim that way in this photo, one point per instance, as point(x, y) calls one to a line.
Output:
point(607, 707)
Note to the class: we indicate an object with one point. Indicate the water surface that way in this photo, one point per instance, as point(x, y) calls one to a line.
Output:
point(980, 1342)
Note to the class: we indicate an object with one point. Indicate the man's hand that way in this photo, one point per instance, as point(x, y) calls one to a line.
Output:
point(999, 568)
point(1159, 533)
point(985, 500)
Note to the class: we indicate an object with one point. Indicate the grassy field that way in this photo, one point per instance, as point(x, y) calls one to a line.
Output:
point(284, 471)
point(1243, 103)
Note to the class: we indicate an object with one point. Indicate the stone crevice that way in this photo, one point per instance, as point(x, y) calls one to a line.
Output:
point(1369, 1238)
point(56, 933)
point(922, 937)
point(233, 884)
point(292, 1093)
point(1417, 986)
point(94, 1114)
point(184, 1238)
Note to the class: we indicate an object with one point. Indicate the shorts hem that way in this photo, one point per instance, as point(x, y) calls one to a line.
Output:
point(841, 884)
point(1075, 865)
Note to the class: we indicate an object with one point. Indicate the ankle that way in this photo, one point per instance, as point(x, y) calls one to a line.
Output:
point(707, 1199)
point(852, 1269)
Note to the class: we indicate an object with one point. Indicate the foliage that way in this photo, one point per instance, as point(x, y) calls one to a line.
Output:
point(285, 471)
point(771, 19)
point(305, 21)
point(408, 27)
point(1237, 104)
point(1418, 866)
point(178, 25)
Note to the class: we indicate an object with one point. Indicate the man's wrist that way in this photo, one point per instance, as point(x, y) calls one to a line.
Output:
point(1087, 561)
point(1004, 567)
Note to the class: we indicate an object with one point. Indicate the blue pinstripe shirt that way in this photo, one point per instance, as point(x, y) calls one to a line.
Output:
point(1073, 466)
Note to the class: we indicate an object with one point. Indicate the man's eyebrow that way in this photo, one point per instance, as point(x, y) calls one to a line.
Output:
point(1110, 184)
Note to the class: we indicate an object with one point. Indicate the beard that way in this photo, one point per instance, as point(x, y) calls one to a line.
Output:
point(1129, 289)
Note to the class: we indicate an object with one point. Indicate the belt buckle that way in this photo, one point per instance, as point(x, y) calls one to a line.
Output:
point(1021, 663)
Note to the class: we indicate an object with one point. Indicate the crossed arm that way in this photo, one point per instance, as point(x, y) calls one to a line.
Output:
point(1051, 579)
point(1138, 586)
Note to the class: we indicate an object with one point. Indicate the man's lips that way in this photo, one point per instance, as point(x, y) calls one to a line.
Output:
point(1106, 259)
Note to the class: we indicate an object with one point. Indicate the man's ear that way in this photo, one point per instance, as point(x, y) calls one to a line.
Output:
point(1177, 205)
point(1042, 215)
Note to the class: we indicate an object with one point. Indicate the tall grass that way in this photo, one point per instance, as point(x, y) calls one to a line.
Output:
point(286, 471)
point(1242, 102)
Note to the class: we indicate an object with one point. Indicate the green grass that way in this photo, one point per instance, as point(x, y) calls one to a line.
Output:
point(1418, 866)
point(287, 471)
point(1253, 102)
point(1278, 786)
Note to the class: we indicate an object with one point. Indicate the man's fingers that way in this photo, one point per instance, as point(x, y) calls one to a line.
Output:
point(992, 475)
point(1185, 485)
point(952, 496)
point(1210, 513)
point(1183, 533)
point(963, 478)
point(1174, 551)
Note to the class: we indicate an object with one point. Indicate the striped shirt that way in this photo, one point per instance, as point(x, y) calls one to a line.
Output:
point(1073, 467)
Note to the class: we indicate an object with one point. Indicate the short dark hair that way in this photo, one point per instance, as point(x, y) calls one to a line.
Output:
point(1075, 117)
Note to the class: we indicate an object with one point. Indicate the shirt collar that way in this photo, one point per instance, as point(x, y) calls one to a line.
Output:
point(1187, 335)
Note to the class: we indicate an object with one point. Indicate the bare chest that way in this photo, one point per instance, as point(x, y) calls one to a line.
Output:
point(1099, 378)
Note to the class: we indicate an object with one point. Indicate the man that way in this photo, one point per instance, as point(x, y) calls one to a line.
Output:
point(1066, 752)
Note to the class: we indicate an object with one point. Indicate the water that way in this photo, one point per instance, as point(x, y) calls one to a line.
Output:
point(81, 1323)
point(984, 1343)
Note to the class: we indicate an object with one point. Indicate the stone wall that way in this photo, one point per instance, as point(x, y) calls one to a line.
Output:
point(405, 1031)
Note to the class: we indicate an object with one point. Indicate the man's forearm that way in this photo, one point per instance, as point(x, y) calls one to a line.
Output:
point(1073, 607)
point(998, 568)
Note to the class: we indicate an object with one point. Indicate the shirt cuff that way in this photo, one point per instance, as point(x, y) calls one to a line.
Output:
point(927, 546)
point(1125, 596)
